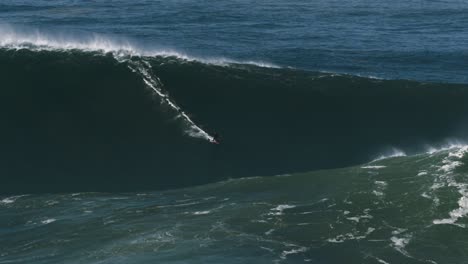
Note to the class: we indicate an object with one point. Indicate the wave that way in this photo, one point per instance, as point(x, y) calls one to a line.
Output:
point(392, 154)
point(86, 117)
point(122, 50)
point(34, 39)
point(388, 210)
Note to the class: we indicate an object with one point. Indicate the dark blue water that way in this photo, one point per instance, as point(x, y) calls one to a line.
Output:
point(420, 40)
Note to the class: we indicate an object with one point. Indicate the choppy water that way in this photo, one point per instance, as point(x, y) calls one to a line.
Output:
point(408, 209)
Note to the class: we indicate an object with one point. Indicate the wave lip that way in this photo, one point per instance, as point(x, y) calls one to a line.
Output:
point(37, 40)
point(449, 145)
point(392, 154)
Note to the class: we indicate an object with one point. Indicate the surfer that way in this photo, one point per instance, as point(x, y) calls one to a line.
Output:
point(216, 138)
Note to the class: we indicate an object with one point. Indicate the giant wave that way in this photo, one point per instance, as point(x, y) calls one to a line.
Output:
point(101, 115)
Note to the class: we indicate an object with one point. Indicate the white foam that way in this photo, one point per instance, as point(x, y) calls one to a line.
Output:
point(393, 153)
point(153, 82)
point(280, 208)
point(38, 40)
point(268, 249)
point(382, 184)
point(437, 185)
point(463, 209)
point(381, 260)
point(48, 221)
point(380, 188)
point(350, 236)
point(11, 199)
point(201, 212)
point(425, 195)
point(7, 201)
point(158, 238)
point(370, 230)
point(400, 243)
point(358, 218)
point(449, 164)
point(398, 231)
point(336, 240)
point(293, 251)
point(354, 218)
point(51, 202)
point(377, 193)
point(459, 152)
point(373, 167)
point(457, 213)
point(452, 144)
point(283, 175)
point(443, 221)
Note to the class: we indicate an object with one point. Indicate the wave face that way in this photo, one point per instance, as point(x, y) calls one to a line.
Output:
point(407, 209)
point(76, 119)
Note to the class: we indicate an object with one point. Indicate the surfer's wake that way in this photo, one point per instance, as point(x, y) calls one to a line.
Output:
point(143, 68)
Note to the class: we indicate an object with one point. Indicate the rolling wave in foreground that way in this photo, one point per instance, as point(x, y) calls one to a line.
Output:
point(405, 209)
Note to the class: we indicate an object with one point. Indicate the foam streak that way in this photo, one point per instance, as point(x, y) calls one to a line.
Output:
point(153, 82)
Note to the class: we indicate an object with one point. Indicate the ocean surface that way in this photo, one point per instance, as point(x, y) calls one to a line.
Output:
point(342, 129)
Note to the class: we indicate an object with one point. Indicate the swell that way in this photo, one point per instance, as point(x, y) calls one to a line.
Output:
point(77, 120)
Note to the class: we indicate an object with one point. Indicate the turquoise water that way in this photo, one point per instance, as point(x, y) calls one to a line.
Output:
point(403, 209)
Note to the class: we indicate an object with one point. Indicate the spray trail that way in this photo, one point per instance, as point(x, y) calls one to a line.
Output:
point(143, 68)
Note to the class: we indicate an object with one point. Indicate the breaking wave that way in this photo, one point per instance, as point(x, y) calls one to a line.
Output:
point(17, 38)
point(94, 113)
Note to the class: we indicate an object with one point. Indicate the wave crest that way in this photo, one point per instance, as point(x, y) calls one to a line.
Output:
point(38, 40)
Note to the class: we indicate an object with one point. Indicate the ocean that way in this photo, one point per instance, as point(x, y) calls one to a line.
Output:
point(274, 131)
